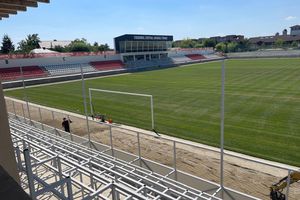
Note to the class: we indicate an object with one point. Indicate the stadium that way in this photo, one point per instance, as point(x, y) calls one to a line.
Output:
point(149, 121)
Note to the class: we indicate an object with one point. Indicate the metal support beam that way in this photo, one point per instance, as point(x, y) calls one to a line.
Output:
point(4, 11)
point(29, 174)
point(85, 106)
point(12, 8)
point(19, 3)
point(222, 130)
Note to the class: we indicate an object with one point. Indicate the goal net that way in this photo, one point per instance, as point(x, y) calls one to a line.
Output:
point(132, 109)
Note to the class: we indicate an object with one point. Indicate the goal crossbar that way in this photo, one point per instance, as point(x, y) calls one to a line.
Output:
point(124, 93)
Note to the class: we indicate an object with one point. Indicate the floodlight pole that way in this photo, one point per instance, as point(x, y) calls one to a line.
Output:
point(85, 108)
point(222, 130)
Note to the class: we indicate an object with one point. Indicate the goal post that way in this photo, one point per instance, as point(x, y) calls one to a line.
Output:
point(123, 93)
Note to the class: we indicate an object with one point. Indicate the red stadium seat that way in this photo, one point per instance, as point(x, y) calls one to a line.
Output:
point(14, 73)
point(108, 65)
point(196, 56)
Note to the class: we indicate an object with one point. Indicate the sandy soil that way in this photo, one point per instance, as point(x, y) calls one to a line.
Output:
point(245, 176)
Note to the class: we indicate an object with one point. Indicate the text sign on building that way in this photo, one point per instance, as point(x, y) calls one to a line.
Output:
point(145, 37)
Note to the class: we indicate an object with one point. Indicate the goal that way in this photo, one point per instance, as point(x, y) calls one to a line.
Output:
point(95, 90)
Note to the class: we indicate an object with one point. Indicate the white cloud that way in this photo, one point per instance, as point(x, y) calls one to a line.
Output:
point(289, 18)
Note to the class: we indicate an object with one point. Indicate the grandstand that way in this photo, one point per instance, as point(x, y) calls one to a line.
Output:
point(181, 59)
point(265, 54)
point(60, 65)
point(164, 62)
point(132, 52)
point(107, 65)
point(14, 73)
point(81, 172)
point(196, 56)
point(55, 70)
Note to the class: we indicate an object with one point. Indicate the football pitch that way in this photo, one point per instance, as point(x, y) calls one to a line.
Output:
point(262, 104)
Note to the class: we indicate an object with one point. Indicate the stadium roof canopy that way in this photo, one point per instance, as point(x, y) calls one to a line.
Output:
point(11, 7)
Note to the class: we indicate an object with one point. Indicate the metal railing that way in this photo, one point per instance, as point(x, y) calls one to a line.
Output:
point(41, 114)
point(68, 162)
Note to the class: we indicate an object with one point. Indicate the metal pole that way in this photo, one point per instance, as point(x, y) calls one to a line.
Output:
point(85, 108)
point(145, 190)
point(174, 157)
point(91, 175)
point(23, 113)
point(91, 103)
point(113, 195)
point(60, 174)
point(52, 115)
point(71, 136)
point(19, 164)
point(29, 173)
point(139, 148)
point(14, 108)
point(152, 114)
point(69, 188)
point(81, 187)
point(222, 130)
point(111, 141)
point(288, 185)
point(25, 94)
point(41, 119)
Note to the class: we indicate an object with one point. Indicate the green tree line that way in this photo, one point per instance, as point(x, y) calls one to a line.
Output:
point(226, 47)
point(32, 42)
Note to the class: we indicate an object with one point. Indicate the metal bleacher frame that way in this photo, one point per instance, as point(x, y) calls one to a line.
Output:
point(55, 165)
point(63, 69)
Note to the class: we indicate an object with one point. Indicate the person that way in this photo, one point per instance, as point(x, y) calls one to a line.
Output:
point(66, 124)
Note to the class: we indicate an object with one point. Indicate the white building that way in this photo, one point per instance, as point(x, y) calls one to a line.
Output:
point(51, 44)
point(295, 30)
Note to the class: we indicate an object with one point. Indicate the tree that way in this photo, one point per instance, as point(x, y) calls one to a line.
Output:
point(232, 47)
point(176, 43)
point(30, 43)
point(103, 47)
point(199, 45)
point(243, 45)
point(278, 43)
point(187, 43)
point(7, 45)
point(58, 48)
point(80, 45)
point(209, 43)
point(95, 44)
point(294, 44)
point(221, 47)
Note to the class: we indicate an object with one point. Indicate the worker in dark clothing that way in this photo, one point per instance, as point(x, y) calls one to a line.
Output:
point(66, 124)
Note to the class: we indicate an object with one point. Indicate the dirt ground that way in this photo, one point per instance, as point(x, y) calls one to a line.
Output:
point(245, 176)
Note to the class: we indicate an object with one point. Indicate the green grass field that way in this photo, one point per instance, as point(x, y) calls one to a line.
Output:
point(262, 104)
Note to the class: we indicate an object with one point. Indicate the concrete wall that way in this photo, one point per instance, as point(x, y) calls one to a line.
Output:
point(175, 53)
point(7, 155)
point(37, 81)
point(56, 60)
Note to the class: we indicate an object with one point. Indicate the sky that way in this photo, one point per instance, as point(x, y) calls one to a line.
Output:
point(102, 20)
